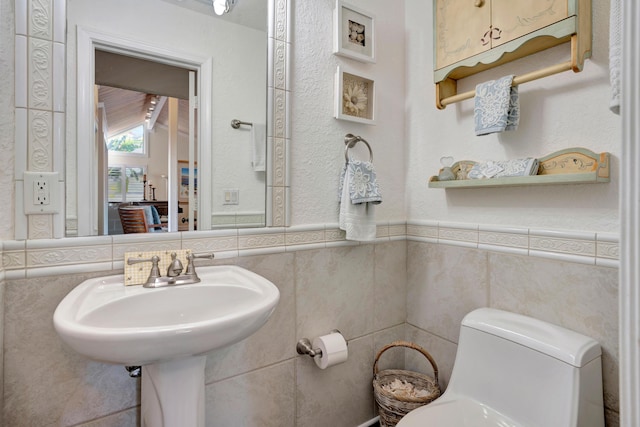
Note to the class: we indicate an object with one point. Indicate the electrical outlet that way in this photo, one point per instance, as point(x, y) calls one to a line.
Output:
point(41, 193)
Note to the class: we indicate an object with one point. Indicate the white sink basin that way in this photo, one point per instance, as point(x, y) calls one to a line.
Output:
point(106, 321)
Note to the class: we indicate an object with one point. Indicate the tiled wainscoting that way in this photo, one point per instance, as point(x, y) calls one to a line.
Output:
point(416, 282)
point(37, 258)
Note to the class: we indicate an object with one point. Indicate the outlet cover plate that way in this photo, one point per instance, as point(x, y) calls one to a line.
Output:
point(41, 195)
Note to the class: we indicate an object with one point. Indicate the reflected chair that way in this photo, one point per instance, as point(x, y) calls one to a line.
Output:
point(134, 220)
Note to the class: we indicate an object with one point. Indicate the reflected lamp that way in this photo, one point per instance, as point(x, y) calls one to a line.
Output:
point(221, 7)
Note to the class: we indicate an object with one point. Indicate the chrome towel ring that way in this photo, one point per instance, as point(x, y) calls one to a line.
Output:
point(350, 140)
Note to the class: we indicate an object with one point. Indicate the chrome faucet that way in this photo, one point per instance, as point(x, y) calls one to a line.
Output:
point(173, 278)
point(175, 267)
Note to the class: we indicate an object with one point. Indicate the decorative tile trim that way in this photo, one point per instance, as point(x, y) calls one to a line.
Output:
point(504, 249)
point(458, 234)
point(88, 254)
point(504, 239)
point(397, 229)
point(306, 235)
point(68, 256)
point(607, 246)
point(260, 238)
point(278, 112)
point(40, 53)
point(428, 231)
point(572, 246)
point(564, 246)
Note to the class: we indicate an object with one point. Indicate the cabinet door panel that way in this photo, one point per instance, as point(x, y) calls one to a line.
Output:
point(460, 29)
point(515, 18)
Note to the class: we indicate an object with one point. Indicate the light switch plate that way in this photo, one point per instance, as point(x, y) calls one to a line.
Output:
point(231, 196)
point(41, 195)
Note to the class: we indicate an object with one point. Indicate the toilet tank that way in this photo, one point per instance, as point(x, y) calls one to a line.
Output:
point(535, 373)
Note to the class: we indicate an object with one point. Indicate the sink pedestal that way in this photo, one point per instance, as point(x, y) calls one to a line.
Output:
point(173, 393)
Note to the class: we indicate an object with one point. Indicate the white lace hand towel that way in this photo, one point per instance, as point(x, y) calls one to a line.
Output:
point(615, 53)
point(258, 147)
point(497, 106)
point(504, 168)
point(357, 220)
point(363, 184)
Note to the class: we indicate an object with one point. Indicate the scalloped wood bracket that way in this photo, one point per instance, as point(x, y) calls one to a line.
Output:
point(569, 166)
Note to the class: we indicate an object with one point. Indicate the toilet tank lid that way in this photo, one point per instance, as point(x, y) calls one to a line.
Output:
point(563, 344)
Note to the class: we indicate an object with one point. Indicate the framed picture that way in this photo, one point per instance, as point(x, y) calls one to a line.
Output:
point(183, 181)
point(354, 33)
point(355, 97)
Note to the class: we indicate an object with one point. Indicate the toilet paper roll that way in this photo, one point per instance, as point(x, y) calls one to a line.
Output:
point(334, 350)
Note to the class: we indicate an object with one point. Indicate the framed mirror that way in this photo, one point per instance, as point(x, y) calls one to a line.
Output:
point(228, 57)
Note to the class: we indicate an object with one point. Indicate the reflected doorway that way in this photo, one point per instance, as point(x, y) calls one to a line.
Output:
point(145, 135)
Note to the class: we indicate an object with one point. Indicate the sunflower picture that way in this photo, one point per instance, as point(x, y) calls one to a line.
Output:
point(355, 97)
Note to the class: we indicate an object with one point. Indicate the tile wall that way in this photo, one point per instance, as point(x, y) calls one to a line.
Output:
point(260, 381)
point(416, 282)
point(444, 282)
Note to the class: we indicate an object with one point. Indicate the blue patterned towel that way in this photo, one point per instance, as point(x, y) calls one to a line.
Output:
point(497, 106)
point(363, 184)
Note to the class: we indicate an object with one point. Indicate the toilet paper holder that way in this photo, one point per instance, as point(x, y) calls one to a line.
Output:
point(304, 346)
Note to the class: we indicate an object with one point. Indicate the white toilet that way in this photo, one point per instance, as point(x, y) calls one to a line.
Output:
point(515, 371)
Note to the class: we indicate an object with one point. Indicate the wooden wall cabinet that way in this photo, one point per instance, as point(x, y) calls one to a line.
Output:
point(474, 35)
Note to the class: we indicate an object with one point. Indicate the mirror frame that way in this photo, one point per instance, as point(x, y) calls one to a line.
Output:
point(280, 38)
point(278, 121)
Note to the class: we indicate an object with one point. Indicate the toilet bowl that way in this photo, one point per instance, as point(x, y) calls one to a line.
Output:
point(516, 371)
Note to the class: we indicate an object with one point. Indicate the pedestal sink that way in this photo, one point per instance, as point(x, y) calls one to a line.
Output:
point(166, 330)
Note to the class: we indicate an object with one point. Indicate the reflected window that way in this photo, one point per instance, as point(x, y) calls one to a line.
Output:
point(132, 141)
point(126, 183)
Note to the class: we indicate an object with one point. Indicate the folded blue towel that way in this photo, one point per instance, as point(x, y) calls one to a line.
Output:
point(363, 184)
point(497, 106)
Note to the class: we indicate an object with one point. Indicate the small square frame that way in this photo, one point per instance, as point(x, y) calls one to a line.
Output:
point(354, 33)
point(360, 108)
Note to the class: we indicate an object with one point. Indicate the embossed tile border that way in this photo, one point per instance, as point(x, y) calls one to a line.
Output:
point(572, 246)
point(39, 103)
point(36, 258)
point(278, 111)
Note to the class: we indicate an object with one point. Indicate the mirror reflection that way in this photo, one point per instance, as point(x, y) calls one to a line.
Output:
point(165, 91)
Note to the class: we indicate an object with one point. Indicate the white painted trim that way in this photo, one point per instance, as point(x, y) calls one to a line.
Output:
point(371, 422)
point(629, 288)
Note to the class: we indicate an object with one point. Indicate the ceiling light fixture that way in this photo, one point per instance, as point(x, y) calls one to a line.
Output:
point(221, 7)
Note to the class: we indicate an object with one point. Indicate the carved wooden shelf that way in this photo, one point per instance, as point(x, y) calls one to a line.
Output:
point(569, 166)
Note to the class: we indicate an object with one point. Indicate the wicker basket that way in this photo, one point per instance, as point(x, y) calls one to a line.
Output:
point(391, 407)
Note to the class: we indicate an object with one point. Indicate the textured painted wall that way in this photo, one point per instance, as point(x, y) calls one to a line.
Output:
point(561, 111)
point(317, 150)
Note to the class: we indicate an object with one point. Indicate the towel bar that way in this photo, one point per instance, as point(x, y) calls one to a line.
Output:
point(235, 123)
point(350, 140)
point(446, 90)
point(517, 80)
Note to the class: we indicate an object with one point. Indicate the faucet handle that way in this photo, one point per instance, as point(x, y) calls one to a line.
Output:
point(191, 268)
point(175, 267)
point(154, 260)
